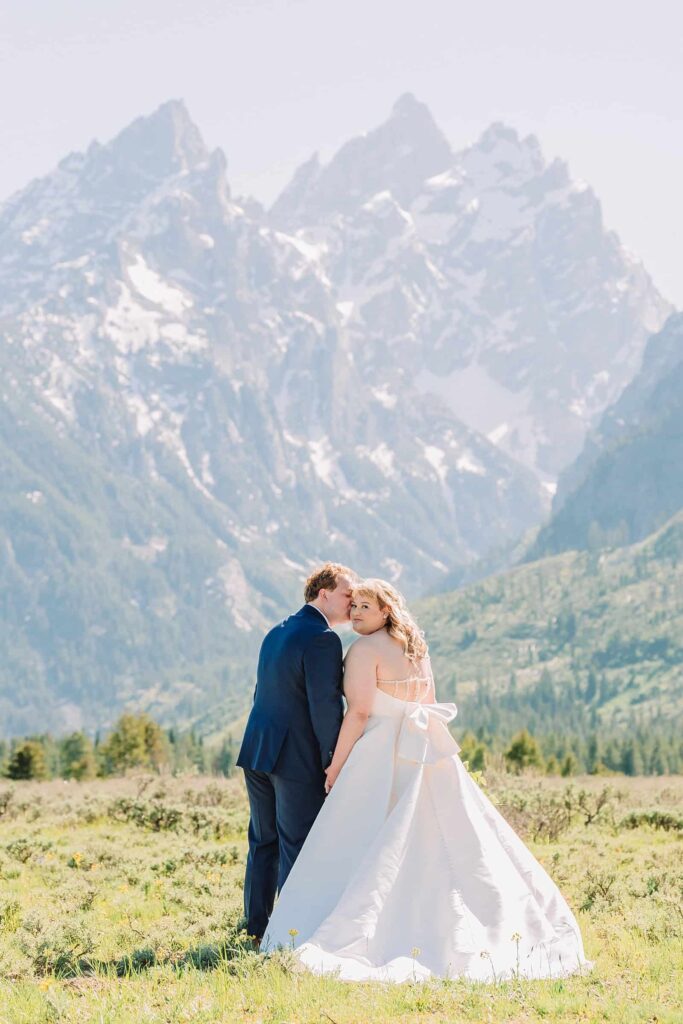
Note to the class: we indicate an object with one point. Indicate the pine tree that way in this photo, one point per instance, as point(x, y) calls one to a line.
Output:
point(77, 757)
point(523, 752)
point(136, 742)
point(593, 755)
point(224, 761)
point(631, 759)
point(27, 762)
point(473, 751)
point(612, 756)
point(657, 764)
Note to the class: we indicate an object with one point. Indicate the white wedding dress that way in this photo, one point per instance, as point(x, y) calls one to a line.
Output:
point(409, 871)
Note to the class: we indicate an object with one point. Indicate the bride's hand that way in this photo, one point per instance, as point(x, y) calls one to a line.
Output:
point(330, 779)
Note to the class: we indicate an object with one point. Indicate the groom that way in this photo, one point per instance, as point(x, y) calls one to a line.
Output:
point(291, 734)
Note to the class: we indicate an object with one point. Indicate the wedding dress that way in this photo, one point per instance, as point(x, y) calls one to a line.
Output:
point(409, 870)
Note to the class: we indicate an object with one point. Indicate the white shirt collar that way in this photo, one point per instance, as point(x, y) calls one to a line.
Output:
point(322, 613)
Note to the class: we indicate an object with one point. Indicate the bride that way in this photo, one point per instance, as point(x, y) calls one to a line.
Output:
point(409, 871)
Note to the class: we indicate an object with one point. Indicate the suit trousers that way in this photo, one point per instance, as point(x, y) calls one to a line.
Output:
point(282, 812)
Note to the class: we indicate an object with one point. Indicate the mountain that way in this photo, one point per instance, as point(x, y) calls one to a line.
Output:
point(628, 480)
point(483, 280)
point(570, 641)
point(200, 398)
point(398, 157)
point(184, 427)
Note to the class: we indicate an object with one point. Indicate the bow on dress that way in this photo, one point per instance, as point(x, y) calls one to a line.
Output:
point(423, 736)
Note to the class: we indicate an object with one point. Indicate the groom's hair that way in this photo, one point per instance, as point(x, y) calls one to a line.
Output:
point(326, 577)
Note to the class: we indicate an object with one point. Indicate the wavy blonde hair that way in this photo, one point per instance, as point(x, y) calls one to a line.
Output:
point(400, 623)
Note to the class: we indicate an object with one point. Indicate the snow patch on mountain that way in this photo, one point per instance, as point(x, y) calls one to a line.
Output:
point(157, 291)
point(436, 459)
point(384, 396)
point(466, 463)
point(382, 456)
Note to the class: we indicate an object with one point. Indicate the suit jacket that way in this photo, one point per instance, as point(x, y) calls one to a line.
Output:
point(297, 713)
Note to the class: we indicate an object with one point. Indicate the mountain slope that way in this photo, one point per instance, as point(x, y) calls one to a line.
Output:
point(604, 630)
point(629, 478)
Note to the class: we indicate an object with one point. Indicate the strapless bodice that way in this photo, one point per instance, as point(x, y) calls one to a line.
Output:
point(410, 688)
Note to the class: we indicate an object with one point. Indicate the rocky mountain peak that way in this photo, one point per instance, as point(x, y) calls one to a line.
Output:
point(414, 114)
point(149, 150)
point(411, 136)
point(407, 106)
point(498, 133)
point(501, 152)
point(396, 156)
point(162, 143)
point(437, 248)
point(92, 195)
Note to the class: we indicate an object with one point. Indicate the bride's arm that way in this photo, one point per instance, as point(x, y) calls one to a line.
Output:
point(360, 675)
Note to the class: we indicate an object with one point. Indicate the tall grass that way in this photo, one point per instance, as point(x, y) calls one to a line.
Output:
point(120, 902)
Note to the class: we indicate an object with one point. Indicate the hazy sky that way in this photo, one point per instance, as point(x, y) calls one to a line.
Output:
point(600, 82)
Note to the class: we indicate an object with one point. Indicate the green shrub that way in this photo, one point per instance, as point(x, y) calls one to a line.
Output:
point(154, 815)
point(10, 915)
point(654, 819)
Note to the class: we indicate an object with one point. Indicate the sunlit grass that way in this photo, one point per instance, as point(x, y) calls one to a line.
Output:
point(105, 919)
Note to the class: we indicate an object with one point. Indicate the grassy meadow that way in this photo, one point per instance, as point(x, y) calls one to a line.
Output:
point(120, 903)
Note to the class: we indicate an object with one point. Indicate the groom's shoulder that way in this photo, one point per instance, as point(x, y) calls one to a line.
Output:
point(304, 622)
point(313, 630)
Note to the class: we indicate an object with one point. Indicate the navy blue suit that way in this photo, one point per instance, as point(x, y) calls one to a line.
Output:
point(288, 742)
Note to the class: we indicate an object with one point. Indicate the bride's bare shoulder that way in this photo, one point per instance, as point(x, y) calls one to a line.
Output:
point(363, 649)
